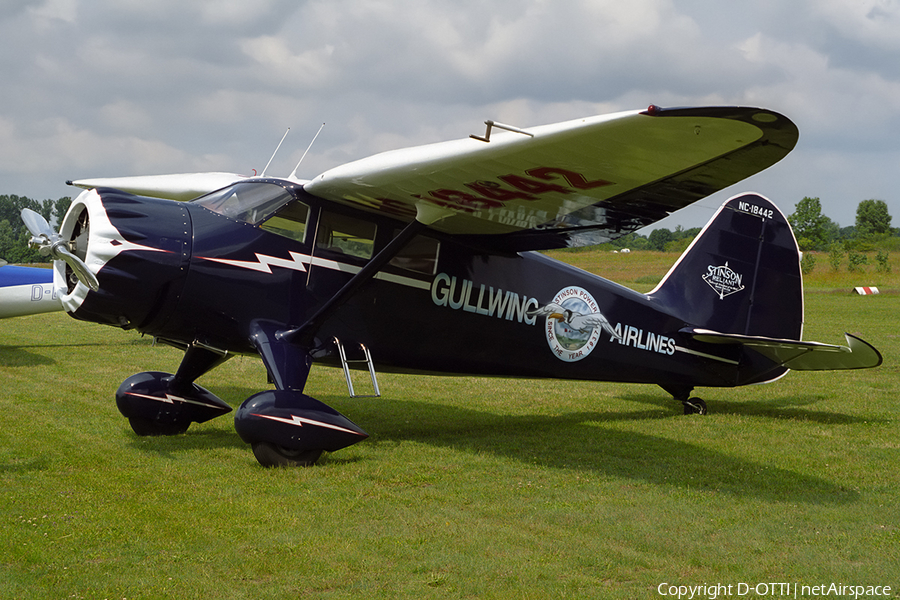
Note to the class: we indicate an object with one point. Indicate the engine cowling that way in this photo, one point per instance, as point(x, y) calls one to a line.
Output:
point(139, 249)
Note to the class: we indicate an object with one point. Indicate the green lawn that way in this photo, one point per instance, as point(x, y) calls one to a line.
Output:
point(467, 488)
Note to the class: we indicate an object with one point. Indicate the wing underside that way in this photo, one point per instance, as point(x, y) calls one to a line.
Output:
point(569, 184)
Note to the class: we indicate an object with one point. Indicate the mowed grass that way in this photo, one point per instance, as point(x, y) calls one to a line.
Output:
point(643, 270)
point(467, 488)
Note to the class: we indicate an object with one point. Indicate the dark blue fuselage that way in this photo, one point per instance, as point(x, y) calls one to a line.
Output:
point(195, 275)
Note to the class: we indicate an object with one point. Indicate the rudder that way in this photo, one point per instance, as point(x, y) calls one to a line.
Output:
point(740, 275)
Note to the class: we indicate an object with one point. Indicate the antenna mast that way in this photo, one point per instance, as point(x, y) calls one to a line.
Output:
point(263, 174)
point(293, 174)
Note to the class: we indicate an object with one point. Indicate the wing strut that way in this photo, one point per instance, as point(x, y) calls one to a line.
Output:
point(304, 334)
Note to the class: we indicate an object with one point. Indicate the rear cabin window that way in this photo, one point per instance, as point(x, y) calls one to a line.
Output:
point(419, 255)
point(345, 235)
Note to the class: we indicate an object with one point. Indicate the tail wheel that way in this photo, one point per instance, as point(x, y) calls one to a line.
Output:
point(694, 406)
point(271, 455)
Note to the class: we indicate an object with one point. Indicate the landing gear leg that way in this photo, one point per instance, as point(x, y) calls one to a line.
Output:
point(692, 406)
point(285, 427)
point(198, 360)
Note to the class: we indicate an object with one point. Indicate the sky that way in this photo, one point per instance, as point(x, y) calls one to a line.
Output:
point(108, 88)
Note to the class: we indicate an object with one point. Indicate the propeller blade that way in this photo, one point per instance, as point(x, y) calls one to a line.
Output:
point(58, 251)
point(36, 223)
point(48, 243)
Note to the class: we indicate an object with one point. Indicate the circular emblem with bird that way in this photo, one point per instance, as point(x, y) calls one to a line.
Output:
point(574, 323)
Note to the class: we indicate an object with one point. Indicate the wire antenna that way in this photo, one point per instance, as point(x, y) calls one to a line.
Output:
point(263, 174)
point(293, 174)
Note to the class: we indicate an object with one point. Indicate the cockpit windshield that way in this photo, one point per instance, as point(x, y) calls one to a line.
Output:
point(251, 202)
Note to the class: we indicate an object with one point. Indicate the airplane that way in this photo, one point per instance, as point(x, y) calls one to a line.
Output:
point(426, 260)
point(26, 291)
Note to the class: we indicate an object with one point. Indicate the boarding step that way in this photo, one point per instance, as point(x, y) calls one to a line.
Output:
point(346, 362)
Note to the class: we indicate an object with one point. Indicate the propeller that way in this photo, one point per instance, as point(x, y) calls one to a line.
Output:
point(48, 243)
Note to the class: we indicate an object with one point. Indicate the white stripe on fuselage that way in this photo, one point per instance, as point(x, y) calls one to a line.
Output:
point(299, 262)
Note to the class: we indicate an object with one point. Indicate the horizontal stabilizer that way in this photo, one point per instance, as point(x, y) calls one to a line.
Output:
point(798, 355)
point(179, 186)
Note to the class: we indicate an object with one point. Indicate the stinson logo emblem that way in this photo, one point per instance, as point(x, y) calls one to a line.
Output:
point(724, 280)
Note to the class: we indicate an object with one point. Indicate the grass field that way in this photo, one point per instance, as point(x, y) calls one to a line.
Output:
point(467, 488)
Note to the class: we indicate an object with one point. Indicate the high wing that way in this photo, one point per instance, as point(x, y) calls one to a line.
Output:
point(177, 186)
point(798, 355)
point(576, 183)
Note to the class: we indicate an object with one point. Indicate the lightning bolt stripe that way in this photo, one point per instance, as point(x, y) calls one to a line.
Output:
point(298, 262)
point(299, 421)
point(170, 399)
point(264, 262)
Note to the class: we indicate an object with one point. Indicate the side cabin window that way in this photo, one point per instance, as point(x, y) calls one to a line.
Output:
point(419, 255)
point(290, 221)
point(345, 235)
point(251, 202)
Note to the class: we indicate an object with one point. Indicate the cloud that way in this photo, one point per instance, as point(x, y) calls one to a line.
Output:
point(119, 87)
point(871, 23)
point(53, 10)
point(277, 62)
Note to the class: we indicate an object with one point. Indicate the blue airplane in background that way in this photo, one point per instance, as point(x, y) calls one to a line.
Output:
point(26, 291)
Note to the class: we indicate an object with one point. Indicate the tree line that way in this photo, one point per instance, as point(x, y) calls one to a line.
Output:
point(14, 235)
point(814, 231)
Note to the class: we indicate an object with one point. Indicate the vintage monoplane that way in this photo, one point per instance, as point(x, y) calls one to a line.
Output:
point(422, 261)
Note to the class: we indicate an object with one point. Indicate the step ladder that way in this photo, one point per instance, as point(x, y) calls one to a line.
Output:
point(345, 363)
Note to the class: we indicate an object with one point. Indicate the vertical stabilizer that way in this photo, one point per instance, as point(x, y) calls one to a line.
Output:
point(740, 275)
